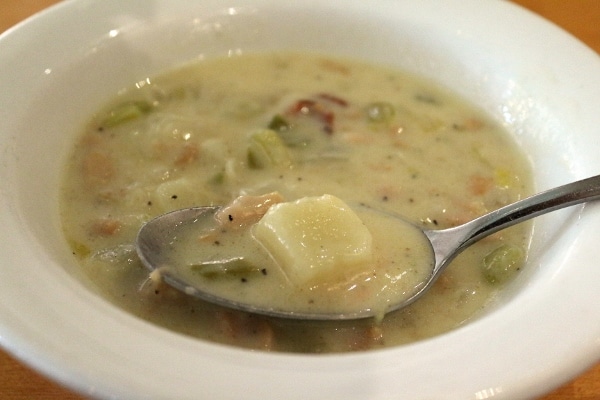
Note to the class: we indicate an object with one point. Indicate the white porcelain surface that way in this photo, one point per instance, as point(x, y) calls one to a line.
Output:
point(58, 67)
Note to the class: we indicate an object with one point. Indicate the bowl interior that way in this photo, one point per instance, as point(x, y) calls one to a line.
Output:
point(71, 88)
point(144, 46)
point(60, 83)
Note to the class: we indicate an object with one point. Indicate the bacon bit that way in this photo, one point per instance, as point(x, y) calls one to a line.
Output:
point(246, 328)
point(444, 283)
point(315, 109)
point(188, 154)
point(108, 196)
point(479, 185)
point(473, 124)
point(212, 236)
point(388, 192)
point(376, 334)
point(333, 99)
point(246, 209)
point(92, 140)
point(98, 168)
point(336, 67)
point(106, 227)
point(396, 130)
point(157, 291)
point(368, 338)
point(354, 137)
point(318, 109)
point(302, 106)
point(470, 124)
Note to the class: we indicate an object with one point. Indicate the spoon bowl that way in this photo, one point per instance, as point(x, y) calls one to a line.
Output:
point(445, 244)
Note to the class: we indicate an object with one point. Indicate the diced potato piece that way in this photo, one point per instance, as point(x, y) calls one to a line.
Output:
point(177, 193)
point(215, 149)
point(315, 239)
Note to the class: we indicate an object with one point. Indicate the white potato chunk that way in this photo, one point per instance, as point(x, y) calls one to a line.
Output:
point(315, 239)
point(177, 193)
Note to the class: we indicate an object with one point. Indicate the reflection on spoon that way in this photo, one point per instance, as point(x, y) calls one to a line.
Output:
point(410, 272)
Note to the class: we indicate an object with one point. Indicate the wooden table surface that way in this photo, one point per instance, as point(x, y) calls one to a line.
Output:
point(580, 17)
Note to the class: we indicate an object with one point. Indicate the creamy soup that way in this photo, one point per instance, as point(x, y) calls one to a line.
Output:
point(301, 126)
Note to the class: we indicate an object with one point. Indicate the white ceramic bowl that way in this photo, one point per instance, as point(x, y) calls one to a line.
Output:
point(58, 67)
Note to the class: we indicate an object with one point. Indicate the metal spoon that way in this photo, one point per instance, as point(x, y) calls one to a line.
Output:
point(446, 244)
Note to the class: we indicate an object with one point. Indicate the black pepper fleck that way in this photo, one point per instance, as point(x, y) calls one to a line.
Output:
point(174, 196)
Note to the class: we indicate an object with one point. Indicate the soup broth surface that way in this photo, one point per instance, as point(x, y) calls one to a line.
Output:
point(299, 125)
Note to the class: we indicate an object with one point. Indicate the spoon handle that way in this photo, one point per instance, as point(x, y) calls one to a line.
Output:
point(449, 242)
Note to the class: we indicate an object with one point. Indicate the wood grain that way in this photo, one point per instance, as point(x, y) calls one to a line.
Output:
point(579, 17)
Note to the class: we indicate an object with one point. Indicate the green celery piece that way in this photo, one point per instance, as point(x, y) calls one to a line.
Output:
point(266, 148)
point(279, 124)
point(232, 268)
point(502, 264)
point(126, 112)
point(218, 178)
point(79, 249)
point(380, 112)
